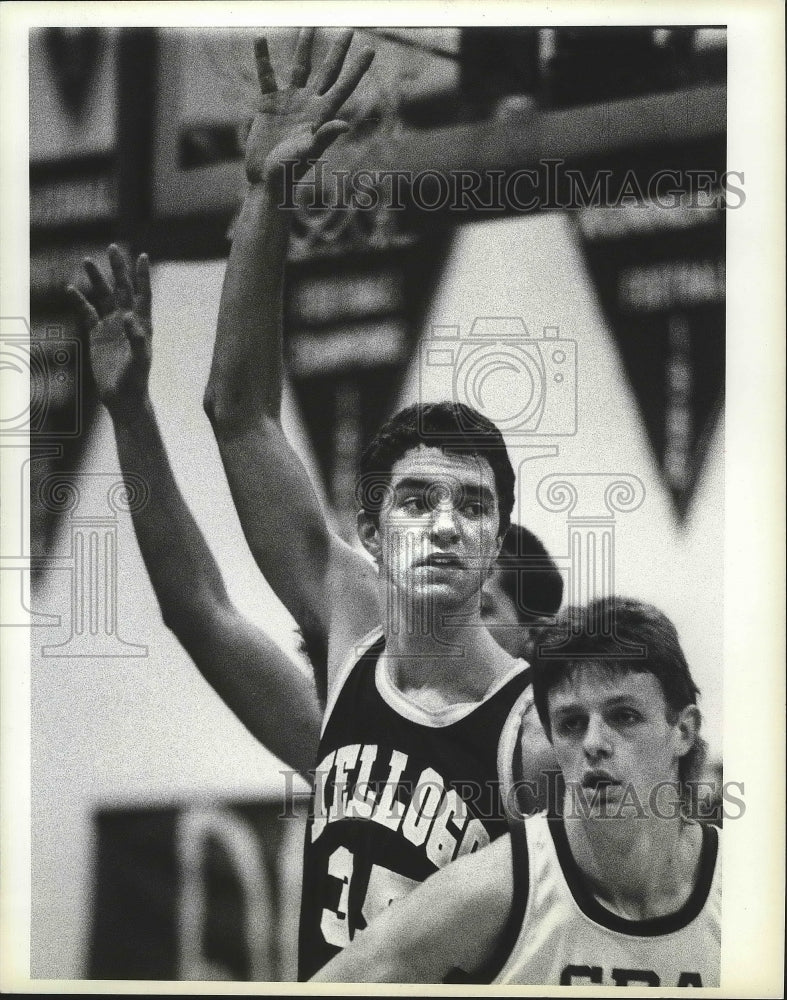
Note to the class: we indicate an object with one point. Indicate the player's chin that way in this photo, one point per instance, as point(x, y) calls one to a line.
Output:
point(601, 800)
point(431, 587)
point(438, 588)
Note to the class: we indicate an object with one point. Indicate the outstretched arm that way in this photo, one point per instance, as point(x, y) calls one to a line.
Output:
point(450, 921)
point(274, 699)
point(311, 570)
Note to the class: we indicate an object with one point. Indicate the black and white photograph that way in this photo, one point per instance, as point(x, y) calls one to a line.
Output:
point(392, 449)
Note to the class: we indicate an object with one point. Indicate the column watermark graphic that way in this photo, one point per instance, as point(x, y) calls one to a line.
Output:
point(91, 504)
point(40, 377)
point(591, 502)
point(42, 410)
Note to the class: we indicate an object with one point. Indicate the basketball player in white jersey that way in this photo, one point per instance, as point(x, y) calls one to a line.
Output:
point(614, 888)
point(418, 693)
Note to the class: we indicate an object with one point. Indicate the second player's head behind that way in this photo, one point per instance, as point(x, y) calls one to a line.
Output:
point(525, 589)
point(616, 698)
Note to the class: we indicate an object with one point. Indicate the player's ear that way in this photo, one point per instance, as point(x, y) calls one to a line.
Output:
point(687, 728)
point(369, 533)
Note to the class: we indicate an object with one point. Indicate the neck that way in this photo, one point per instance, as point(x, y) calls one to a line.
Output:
point(440, 648)
point(638, 867)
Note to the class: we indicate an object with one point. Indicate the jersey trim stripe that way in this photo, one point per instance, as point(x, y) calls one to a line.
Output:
point(653, 926)
point(354, 655)
point(509, 753)
point(442, 717)
point(520, 888)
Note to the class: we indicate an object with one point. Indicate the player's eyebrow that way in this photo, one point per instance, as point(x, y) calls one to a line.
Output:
point(481, 492)
point(413, 483)
point(569, 709)
point(614, 701)
point(419, 484)
point(623, 699)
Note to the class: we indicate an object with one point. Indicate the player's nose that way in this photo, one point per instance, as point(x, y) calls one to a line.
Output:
point(597, 742)
point(444, 522)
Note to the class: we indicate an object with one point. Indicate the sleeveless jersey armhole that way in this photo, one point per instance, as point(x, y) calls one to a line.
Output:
point(509, 752)
point(520, 888)
point(350, 662)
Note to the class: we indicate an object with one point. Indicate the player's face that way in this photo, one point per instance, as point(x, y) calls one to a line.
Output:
point(613, 739)
point(438, 526)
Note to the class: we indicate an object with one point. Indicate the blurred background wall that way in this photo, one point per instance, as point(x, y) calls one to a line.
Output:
point(148, 797)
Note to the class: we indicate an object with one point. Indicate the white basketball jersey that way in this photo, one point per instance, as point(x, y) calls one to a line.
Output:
point(567, 938)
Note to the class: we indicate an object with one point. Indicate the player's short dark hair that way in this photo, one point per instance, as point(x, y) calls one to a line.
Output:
point(597, 635)
point(455, 428)
point(528, 575)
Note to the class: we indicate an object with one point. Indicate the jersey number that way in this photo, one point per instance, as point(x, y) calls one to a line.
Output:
point(384, 887)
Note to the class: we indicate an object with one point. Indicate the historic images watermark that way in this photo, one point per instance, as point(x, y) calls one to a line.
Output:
point(550, 184)
point(428, 800)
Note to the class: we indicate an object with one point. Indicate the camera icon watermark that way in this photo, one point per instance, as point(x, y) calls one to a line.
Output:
point(41, 379)
point(526, 385)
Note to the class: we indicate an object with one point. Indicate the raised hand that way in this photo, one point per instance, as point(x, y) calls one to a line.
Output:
point(119, 329)
point(295, 122)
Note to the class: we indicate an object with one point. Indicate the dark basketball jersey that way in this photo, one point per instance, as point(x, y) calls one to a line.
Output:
point(399, 793)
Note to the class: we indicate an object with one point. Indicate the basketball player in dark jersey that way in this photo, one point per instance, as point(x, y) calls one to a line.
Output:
point(261, 685)
point(616, 887)
point(418, 692)
point(268, 692)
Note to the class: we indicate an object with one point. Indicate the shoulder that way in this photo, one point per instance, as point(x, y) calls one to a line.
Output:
point(486, 876)
point(352, 598)
point(357, 651)
point(711, 852)
point(459, 912)
point(477, 893)
point(477, 879)
point(512, 687)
